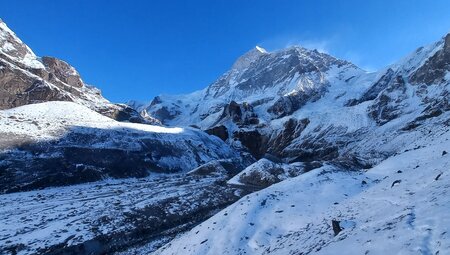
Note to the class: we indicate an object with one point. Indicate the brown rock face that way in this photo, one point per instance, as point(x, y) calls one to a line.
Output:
point(62, 71)
point(17, 88)
point(25, 79)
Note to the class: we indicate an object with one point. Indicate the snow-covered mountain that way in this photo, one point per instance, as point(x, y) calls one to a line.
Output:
point(302, 105)
point(337, 159)
point(270, 85)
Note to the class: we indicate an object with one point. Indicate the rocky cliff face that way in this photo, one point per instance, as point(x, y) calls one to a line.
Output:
point(27, 79)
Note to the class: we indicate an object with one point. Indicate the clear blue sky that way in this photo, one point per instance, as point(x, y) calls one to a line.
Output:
point(139, 49)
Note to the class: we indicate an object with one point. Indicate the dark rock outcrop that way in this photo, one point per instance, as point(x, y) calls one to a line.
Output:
point(255, 142)
point(292, 129)
point(240, 114)
point(288, 104)
point(388, 105)
point(336, 227)
point(219, 131)
point(435, 68)
point(164, 113)
point(375, 89)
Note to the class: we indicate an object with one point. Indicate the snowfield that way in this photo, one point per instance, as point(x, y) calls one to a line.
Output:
point(401, 206)
point(59, 115)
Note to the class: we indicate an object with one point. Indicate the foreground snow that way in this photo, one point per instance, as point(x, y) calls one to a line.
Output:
point(400, 206)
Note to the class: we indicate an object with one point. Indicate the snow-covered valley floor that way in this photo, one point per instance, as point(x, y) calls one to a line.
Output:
point(107, 215)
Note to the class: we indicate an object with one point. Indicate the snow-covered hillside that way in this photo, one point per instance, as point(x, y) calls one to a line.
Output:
point(400, 206)
point(57, 143)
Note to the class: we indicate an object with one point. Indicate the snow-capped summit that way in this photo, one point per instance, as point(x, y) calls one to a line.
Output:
point(245, 60)
point(262, 50)
point(264, 80)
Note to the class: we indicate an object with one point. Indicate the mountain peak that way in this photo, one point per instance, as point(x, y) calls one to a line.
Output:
point(249, 57)
point(260, 49)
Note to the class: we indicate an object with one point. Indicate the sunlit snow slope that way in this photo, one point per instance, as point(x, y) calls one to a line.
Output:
point(401, 206)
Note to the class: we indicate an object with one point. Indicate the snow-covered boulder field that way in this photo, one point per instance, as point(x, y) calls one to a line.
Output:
point(60, 143)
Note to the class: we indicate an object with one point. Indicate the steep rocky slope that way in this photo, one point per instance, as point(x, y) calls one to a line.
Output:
point(27, 79)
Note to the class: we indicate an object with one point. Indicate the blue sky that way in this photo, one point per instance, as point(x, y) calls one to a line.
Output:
point(139, 49)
